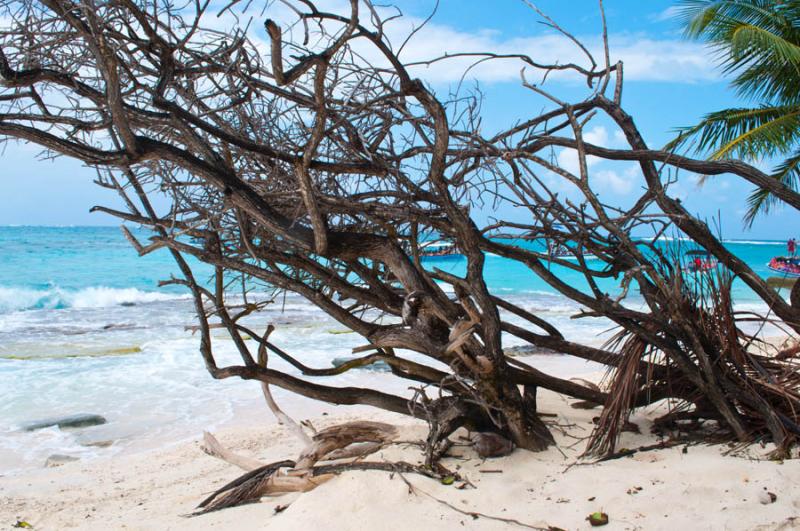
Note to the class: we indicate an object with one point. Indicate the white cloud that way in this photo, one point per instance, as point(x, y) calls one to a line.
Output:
point(666, 61)
point(614, 181)
point(619, 138)
point(568, 158)
point(644, 58)
point(606, 177)
point(668, 14)
point(598, 136)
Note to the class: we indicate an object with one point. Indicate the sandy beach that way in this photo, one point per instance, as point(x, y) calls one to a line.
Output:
point(683, 487)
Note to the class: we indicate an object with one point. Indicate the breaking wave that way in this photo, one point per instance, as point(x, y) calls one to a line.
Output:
point(757, 242)
point(17, 299)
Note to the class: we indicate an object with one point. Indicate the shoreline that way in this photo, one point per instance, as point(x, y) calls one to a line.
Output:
point(660, 489)
point(237, 404)
point(227, 404)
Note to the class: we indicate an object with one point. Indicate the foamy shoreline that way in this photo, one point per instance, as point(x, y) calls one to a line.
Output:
point(663, 489)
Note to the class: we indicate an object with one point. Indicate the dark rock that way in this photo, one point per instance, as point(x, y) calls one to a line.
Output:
point(631, 427)
point(765, 497)
point(584, 404)
point(72, 421)
point(489, 444)
point(58, 460)
point(526, 350)
point(121, 326)
point(98, 444)
point(379, 366)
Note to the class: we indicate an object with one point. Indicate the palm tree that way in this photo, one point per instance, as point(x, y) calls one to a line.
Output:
point(759, 42)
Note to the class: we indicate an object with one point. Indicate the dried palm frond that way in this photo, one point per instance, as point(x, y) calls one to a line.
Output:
point(624, 387)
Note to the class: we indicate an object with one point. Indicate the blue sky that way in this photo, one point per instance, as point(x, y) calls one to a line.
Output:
point(669, 83)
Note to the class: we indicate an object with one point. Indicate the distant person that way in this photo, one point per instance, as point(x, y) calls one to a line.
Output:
point(791, 246)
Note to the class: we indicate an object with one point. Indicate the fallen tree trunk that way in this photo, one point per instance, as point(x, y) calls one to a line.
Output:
point(326, 175)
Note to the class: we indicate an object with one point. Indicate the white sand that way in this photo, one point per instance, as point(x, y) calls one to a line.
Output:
point(664, 489)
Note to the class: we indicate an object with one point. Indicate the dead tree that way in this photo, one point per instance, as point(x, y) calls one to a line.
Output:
point(316, 164)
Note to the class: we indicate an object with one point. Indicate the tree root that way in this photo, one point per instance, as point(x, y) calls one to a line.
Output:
point(351, 440)
point(625, 452)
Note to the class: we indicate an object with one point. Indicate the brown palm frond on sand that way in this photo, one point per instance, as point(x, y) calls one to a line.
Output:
point(347, 440)
point(247, 488)
point(758, 392)
point(624, 387)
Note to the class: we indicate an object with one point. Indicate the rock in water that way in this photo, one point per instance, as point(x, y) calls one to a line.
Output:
point(98, 444)
point(489, 444)
point(526, 350)
point(584, 404)
point(58, 460)
point(72, 421)
point(378, 366)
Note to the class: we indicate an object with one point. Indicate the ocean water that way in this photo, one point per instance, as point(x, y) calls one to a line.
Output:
point(84, 328)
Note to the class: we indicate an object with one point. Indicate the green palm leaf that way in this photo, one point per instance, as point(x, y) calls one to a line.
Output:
point(754, 135)
point(751, 43)
point(758, 41)
point(760, 201)
point(745, 132)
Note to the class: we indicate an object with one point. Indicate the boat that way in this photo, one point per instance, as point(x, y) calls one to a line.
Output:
point(557, 249)
point(699, 261)
point(438, 249)
point(560, 250)
point(789, 266)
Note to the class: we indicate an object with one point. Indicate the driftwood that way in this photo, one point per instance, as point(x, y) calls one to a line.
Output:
point(212, 447)
point(338, 438)
point(271, 480)
point(319, 173)
point(344, 441)
point(282, 417)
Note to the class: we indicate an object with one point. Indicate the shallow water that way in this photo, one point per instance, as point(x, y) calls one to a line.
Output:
point(84, 329)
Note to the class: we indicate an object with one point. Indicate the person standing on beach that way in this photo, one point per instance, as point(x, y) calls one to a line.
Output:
point(791, 246)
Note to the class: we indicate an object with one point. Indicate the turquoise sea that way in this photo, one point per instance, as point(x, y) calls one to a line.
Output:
point(84, 328)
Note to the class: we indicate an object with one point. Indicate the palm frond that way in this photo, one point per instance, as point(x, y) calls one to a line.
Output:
point(745, 132)
point(751, 43)
point(761, 201)
point(712, 19)
point(758, 41)
point(752, 135)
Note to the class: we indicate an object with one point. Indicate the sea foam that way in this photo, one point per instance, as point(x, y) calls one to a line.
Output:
point(17, 299)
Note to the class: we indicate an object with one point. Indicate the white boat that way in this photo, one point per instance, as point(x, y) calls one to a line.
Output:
point(438, 249)
point(565, 253)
